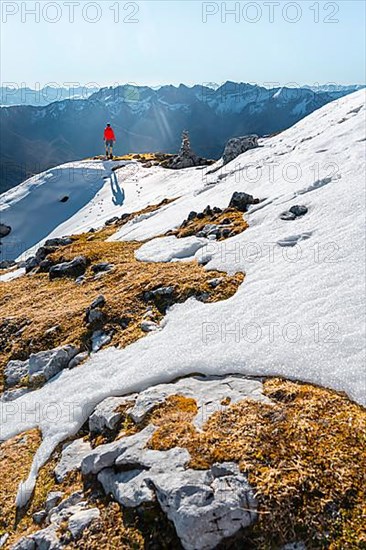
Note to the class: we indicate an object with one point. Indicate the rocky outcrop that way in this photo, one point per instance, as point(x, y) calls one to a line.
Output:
point(294, 212)
point(241, 201)
point(237, 146)
point(72, 513)
point(205, 506)
point(71, 458)
point(186, 158)
point(40, 366)
point(73, 269)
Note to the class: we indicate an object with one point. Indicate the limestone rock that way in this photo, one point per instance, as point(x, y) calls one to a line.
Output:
point(73, 269)
point(241, 201)
point(106, 416)
point(79, 521)
point(47, 364)
point(71, 458)
point(15, 371)
point(237, 146)
point(58, 241)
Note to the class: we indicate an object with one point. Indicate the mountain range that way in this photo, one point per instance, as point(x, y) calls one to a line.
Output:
point(147, 119)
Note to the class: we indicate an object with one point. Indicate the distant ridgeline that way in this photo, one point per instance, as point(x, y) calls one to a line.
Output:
point(41, 135)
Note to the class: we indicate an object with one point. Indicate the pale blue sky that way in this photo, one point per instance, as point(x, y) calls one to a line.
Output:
point(171, 43)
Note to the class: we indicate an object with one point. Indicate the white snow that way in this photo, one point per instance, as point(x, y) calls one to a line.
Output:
point(11, 275)
point(167, 249)
point(300, 310)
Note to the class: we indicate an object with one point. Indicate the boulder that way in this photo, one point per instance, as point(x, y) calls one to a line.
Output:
point(15, 371)
point(98, 302)
point(206, 506)
point(46, 539)
point(73, 269)
point(294, 212)
point(39, 517)
point(46, 364)
point(79, 521)
point(106, 415)
point(53, 499)
point(59, 241)
point(71, 458)
point(43, 252)
point(241, 201)
point(112, 221)
point(7, 264)
point(30, 264)
point(95, 316)
point(237, 146)
point(100, 339)
point(161, 292)
point(149, 326)
point(78, 359)
point(4, 230)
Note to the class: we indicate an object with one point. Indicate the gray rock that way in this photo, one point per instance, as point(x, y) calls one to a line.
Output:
point(39, 517)
point(215, 282)
point(106, 416)
point(186, 158)
point(11, 395)
point(45, 266)
point(241, 201)
point(161, 292)
point(5, 230)
point(209, 393)
point(53, 498)
point(95, 316)
point(78, 359)
point(206, 509)
point(52, 330)
point(100, 339)
point(73, 269)
point(298, 210)
point(47, 364)
point(71, 458)
point(98, 302)
point(79, 521)
point(15, 371)
point(104, 456)
point(43, 252)
point(239, 145)
point(7, 264)
point(30, 264)
point(149, 326)
point(128, 488)
point(69, 503)
point(294, 212)
point(46, 539)
point(58, 241)
point(112, 221)
point(102, 267)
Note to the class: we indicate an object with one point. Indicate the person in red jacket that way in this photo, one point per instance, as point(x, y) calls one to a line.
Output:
point(109, 139)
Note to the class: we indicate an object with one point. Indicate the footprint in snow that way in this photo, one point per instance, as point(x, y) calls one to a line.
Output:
point(293, 240)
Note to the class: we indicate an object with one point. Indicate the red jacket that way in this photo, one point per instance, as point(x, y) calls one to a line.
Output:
point(109, 134)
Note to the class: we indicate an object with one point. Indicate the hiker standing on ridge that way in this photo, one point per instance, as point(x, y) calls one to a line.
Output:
point(109, 139)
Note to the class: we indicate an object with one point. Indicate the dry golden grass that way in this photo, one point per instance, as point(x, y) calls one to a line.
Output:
point(305, 456)
point(238, 223)
point(32, 304)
